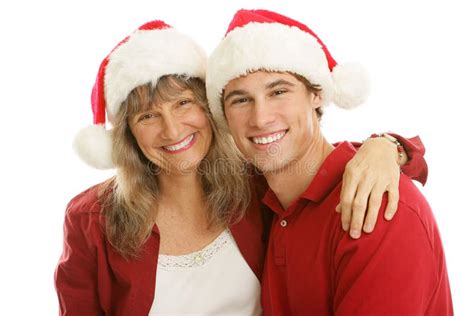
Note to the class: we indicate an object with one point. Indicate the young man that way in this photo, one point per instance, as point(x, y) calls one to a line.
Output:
point(271, 76)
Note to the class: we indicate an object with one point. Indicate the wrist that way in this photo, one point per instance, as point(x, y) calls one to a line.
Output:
point(402, 157)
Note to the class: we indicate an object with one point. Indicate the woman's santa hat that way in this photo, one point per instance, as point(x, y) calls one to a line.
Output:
point(154, 50)
point(265, 40)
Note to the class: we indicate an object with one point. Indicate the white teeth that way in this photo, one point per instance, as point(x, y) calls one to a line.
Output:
point(178, 146)
point(268, 139)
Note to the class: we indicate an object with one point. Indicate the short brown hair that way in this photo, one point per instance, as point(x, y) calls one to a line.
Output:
point(315, 88)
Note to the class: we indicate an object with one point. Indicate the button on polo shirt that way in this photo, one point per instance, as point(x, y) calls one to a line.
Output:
point(313, 267)
point(289, 233)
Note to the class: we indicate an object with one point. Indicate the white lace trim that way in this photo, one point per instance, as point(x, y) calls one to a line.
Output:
point(198, 258)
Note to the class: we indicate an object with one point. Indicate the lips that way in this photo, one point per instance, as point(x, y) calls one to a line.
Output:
point(184, 144)
point(268, 139)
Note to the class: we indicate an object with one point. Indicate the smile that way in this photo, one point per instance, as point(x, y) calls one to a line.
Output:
point(268, 139)
point(182, 145)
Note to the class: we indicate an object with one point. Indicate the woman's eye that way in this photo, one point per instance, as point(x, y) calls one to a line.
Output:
point(146, 117)
point(184, 102)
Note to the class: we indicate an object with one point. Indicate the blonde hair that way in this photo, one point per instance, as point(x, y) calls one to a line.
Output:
point(128, 198)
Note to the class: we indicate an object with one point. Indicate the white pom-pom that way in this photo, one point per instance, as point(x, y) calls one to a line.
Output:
point(93, 144)
point(351, 85)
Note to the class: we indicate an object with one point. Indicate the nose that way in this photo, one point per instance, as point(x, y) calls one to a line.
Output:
point(262, 114)
point(169, 126)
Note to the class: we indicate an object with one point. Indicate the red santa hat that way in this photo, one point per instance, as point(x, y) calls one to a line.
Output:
point(265, 40)
point(155, 49)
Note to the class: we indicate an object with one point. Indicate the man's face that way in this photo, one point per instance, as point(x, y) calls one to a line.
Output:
point(272, 118)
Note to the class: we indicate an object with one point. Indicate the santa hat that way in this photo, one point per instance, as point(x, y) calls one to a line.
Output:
point(155, 49)
point(265, 40)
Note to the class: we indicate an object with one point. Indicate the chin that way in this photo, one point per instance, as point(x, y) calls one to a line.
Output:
point(271, 166)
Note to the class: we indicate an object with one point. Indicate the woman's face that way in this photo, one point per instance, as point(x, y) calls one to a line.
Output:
point(175, 135)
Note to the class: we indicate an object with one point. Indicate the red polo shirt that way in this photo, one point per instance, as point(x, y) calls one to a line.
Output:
point(314, 268)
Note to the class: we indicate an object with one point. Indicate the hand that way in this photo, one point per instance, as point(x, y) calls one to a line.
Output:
point(373, 171)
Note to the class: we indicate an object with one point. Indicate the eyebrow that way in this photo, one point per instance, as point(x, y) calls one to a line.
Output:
point(235, 92)
point(278, 83)
point(267, 86)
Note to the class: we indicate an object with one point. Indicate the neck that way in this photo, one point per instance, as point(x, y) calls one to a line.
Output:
point(182, 195)
point(291, 181)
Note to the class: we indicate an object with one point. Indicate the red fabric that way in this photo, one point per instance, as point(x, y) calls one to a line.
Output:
point(416, 167)
point(98, 95)
point(92, 279)
point(154, 25)
point(98, 102)
point(313, 267)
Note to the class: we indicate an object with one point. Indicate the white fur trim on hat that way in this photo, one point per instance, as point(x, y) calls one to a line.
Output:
point(265, 46)
point(145, 57)
point(93, 144)
point(277, 47)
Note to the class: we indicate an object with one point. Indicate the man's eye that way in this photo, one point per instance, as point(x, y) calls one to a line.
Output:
point(239, 101)
point(279, 92)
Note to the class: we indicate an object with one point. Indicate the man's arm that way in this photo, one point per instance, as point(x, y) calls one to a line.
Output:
point(374, 170)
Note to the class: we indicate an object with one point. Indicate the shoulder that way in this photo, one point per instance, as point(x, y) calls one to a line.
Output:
point(413, 226)
point(401, 261)
point(88, 201)
point(411, 196)
point(414, 208)
point(414, 202)
point(413, 222)
point(414, 214)
point(84, 211)
point(83, 222)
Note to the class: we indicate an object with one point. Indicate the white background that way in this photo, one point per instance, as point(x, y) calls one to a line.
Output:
point(419, 54)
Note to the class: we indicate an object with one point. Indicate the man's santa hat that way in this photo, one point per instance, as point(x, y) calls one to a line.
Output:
point(154, 50)
point(265, 40)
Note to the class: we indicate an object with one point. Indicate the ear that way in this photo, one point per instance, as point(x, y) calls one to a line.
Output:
point(316, 101)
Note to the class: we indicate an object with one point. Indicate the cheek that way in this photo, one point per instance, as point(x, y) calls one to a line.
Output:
point(303, 114)
point(236, 120)
point(202, 122)
point(207, 130)
point(144, 138)
point(196, 117)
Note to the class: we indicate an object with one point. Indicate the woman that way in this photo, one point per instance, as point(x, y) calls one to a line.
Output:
point(179, 222)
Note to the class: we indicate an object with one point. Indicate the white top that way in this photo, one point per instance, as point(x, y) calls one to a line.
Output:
point(213, 281)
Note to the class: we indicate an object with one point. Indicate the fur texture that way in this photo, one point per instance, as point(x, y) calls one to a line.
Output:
point(278, 47)
point(146, 56)
point(351, 85)
point(93, 144)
